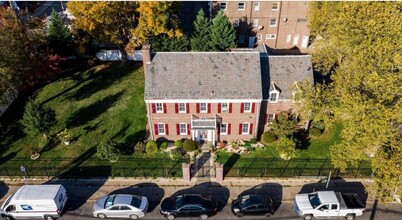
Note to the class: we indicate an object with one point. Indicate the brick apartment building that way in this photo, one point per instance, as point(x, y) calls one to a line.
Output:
point(214, 96)
point(281, 25)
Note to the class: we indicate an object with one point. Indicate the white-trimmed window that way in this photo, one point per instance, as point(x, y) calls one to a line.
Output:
point(271, 118)
point(203, 108)
point(256, 6)
point(270, 36)
point(159, 107)
point(245, 128)
point(272, 22)
point(224, 129)
point(236, 22)
point(183, 129)
point(259, 37)
point(255, 22)
point(273, 96)
point(247, 107)
point(222, 5)
point(225, 107)
point(295, 39)
point(275, 6)
point(161, 129)
point(241, 6)
point(288, 37)
point(182, 108)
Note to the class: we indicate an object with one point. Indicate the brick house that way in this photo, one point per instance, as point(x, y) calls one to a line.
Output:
point(281, 25)
point(214, 96)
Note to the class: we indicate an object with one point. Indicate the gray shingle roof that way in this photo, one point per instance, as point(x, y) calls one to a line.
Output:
point(283, 71)
point(204, 75)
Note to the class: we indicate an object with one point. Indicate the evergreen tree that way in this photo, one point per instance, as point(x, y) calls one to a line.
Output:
point(223, 35)
point(37, 119)
point(59, 36)
point(163, 42)
point(200, 39)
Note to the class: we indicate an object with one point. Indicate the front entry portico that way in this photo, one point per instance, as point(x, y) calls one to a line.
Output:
point(203, 130)
point(203, 136)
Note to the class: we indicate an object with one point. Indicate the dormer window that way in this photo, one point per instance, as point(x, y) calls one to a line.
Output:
point(274, 93)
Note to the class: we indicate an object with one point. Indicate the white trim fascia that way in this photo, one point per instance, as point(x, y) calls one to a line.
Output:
point(203, 100)
point(282, 100)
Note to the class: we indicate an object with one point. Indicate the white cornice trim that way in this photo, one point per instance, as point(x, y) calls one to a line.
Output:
point(204, 100)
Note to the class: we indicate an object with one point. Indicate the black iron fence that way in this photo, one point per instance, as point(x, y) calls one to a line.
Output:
point(276, 167)
point(93, 167)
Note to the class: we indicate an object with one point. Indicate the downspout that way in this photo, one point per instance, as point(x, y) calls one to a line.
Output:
point(277, 25)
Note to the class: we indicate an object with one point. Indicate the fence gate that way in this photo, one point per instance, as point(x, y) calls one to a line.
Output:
point(202, 167)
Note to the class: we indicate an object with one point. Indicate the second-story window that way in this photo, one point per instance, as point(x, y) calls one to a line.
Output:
point(182, 107)
point(222, 5)
point(247, 107)
point(256, 6)
point(203, 108)
point(241, 6)
point(255, 22)
point(272, 22)
point(159, 107)
point(275, 6)
point(225, 107)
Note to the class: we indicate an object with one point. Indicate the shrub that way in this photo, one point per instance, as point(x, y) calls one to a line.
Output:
point(286, 148)
point(176, 154)
point(318, 124)
point(151, 147)
point(108, 150)
point(139, 147)
point(315, 132)
point(164, 146)
point(178, 143)
point(189, 145)
point(268, 137)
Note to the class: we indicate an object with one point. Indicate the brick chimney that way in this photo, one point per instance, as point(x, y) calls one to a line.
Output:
point(146, 54)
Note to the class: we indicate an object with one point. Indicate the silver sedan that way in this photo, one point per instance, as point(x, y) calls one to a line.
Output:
point(120, 206)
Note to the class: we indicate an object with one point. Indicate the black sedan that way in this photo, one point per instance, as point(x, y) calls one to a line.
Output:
point(188, 205)
point(253, 205)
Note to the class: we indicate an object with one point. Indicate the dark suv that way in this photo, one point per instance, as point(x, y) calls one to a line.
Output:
point(188, 205)
point(253, 205)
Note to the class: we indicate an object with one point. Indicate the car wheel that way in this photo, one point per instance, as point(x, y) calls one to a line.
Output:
point(204, 216)
point(48, 217)
point(133, 216)
point(350, 217)
point(239, 215)
point(101, 215)
point(268, 215)
point(7, 217)
point(307, 217)
point(170, 217)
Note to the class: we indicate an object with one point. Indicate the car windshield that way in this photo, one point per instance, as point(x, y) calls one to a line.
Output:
point(109, 201)
point(136, 201)
point(179, 202)
point(314, 200)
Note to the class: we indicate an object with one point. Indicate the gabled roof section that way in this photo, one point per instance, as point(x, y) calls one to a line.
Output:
point(203, 75)
point(283, 72)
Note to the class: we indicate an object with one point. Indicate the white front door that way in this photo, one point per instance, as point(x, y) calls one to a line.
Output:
point(203, 135)
point(295, 39)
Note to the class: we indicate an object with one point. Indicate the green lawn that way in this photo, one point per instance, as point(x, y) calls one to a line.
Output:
point(105, 101)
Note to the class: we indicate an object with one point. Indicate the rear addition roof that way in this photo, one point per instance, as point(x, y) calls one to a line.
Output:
point(204, 75)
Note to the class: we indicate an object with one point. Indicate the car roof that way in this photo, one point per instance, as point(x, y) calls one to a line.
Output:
point(123, 199)
point(195, 199)
point(256, 199)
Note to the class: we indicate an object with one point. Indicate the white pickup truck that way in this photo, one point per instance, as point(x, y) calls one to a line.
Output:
point(328, 204)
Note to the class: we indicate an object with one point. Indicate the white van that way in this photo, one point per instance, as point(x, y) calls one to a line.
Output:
point(35, 201)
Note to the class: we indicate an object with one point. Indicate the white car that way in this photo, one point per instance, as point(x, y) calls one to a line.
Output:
point(120, 206)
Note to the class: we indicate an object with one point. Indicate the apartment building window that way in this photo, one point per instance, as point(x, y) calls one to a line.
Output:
point(236, 23)
point(222, 5)
point(241, 6)
point(256, 6)
point(183, 129)
point(247, 107)
point(295, 39)
point(245, 128)
point(224, 129)
point(288, 37)
point(159, 107)
point(273, 96)
point(203, 108)
point(182, 108)
point(270, 36)
point(255, 22)
point(304, 43)
point(161, 129)
point(225, 107)
point(271, 118)
point(275, 6)
point(241, 38)
point(259, 37)
point(272, 22)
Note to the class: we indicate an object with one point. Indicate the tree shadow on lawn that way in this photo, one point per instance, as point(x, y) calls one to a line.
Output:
point(127, 147)
point(230, 163)
point(102, 80)
point(273, 190)
point(302, 139)
point(10, 136)
point(218, 192)
point(86, 114)
point(152, 191)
